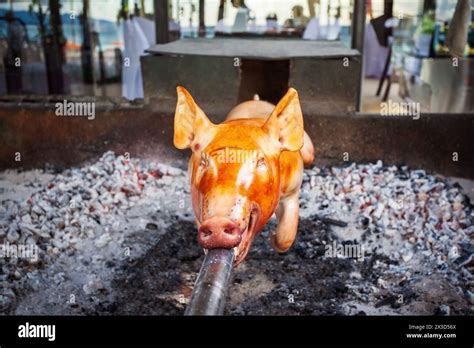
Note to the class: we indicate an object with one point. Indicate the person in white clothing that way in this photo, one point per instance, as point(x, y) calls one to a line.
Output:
point(242, 17)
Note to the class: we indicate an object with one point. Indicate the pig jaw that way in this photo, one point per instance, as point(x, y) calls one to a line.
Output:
point(242, 249)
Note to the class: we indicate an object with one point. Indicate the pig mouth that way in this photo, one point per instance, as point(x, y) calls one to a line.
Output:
point(242, 249)
point(246, 237)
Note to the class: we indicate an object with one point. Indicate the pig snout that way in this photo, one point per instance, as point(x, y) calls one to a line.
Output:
point(219, 232)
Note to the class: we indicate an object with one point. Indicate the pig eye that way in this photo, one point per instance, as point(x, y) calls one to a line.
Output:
point(261, 163)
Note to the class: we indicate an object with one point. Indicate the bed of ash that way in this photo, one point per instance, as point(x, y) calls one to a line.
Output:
point(117, 237)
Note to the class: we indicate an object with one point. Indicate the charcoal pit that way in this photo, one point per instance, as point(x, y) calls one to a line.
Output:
point(118, 237)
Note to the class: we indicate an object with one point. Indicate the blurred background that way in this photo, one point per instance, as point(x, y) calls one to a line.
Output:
point(83, 48)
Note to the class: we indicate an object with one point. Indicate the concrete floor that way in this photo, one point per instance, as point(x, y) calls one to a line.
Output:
point(371, 103)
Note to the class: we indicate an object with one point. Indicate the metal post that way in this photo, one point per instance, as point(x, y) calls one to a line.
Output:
point(220, 13)
point(87, 47)
point(210, 290)
point(358, 29)
point(358, 25)
point(202, 25)
point(161, 21)
point(388, 8)
point(55, 45)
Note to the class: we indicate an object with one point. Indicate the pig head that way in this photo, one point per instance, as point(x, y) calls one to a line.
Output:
point(244, 170)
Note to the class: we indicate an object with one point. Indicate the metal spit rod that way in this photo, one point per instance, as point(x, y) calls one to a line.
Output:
point(210, 290)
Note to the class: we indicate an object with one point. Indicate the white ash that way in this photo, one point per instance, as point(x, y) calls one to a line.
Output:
point(431, 216)
point(85, 213)
point(84, 219)
point(423, 221)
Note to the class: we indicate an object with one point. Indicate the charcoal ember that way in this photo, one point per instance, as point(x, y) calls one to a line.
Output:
point(443, 310)
point(7, 299)
point(453, 253)
point(470, 296)
point(103, 240)
point(13, 235)
point(29, 228)
point(464, 260)
point(93, 286)
point(390, 300)
point(470, 231)
point(467, 247)
point(59, 278)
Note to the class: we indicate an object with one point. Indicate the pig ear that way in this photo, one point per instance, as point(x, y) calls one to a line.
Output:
point(189, 120)
point(286, 122)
